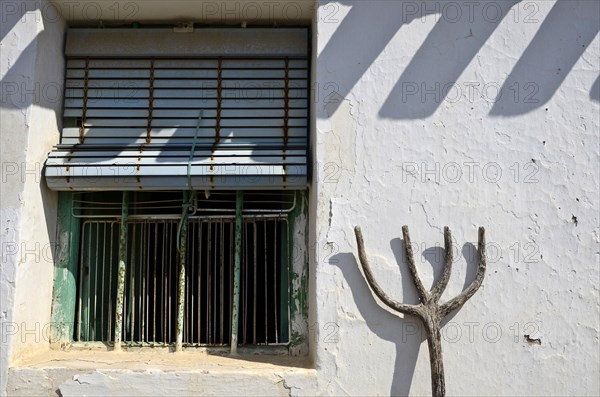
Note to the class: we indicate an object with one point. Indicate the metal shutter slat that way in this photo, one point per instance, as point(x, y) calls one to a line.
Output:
point(131, 110)
point(106, 103)
point(238, 170)
point(182, 132)
point(187, 113)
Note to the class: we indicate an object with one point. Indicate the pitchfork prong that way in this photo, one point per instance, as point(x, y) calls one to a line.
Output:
point(464, 296)
point(440, 287)
point(393, 304)
point(423, 294)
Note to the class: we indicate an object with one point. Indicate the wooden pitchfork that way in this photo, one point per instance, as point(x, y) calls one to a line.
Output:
point(430, 311)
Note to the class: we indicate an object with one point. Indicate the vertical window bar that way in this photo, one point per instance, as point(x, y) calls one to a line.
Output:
point(209, 300)
point(144, 269)
point(189, 291)
point(167, 336)
point(154, 285)
point(255, 302)
point(163, 277)
point(199, 267)
point(110, 283)
point(181, 287)
point(81, 275)
point(221, 278)
point(165, 284)
point(132, 272)
point(284, 281)
point(139, 278)
point(92, 310)
point(87, 272)
point(231, 270)
point(266, 272)
point(103, 275)
point(275, 300)
point(216, 281)
point(237, 269)
point(245, 269)
point(121, 274)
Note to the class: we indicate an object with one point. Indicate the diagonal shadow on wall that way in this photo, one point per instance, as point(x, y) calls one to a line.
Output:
point(19, 90)
point(452, 45)
point(441, 59)
point(361, 36)
point(23, 85)
point(564, 35)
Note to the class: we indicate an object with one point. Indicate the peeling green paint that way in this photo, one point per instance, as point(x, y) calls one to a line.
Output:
point(297, 338)
point(298, 277)
point(65, 272)
point(303, 295)
point(122, 270)
point(182, 249)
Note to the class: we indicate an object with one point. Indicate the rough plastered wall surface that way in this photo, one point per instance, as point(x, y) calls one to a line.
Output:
point(31, 78)
point(463, 114)
point(425, 113)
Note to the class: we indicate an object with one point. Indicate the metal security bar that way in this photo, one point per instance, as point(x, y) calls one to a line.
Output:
point(265, 294)
point(97, 293)
point(150, 304)
point(150, 290)
point(209, 286)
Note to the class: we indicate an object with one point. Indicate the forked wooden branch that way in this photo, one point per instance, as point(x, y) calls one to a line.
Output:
point(430, 311)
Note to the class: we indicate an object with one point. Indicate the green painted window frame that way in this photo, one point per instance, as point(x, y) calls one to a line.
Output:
point(64, 303)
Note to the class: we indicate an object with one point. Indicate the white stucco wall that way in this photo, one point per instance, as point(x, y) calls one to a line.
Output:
point(524, 166)
point(409, 128)
point(31, 75)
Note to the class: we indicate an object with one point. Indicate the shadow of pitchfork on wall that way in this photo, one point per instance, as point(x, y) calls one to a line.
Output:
point(405, 332)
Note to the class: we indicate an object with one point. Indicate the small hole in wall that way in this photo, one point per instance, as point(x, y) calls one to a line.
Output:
point(532, 341)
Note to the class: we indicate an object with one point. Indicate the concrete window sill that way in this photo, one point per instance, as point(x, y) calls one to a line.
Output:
point(144, 373)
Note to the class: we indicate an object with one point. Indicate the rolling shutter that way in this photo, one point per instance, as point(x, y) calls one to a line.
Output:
point(158, 110)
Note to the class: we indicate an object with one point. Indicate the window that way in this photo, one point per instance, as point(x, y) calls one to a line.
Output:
point(182, 170)
point(150, 291)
